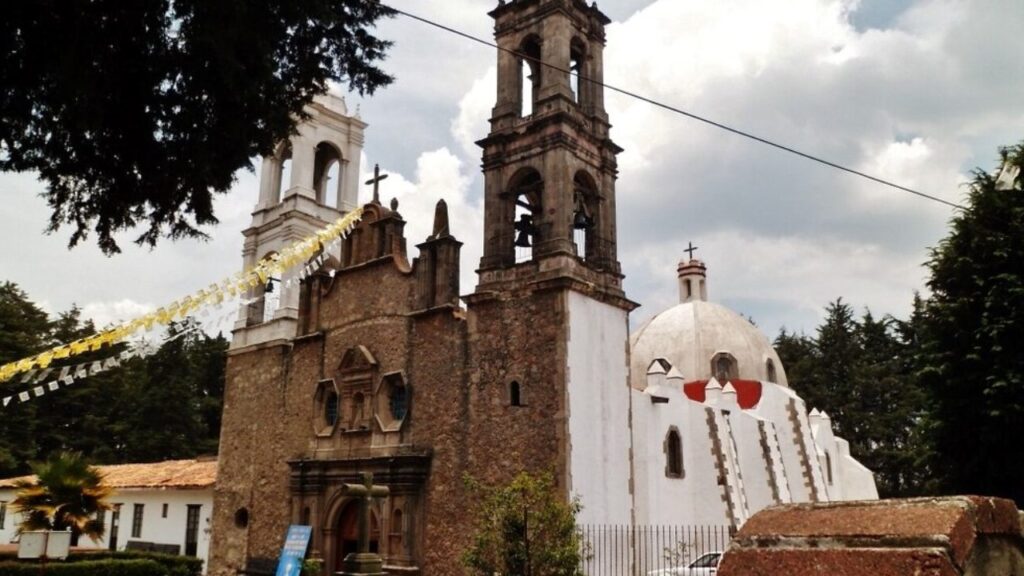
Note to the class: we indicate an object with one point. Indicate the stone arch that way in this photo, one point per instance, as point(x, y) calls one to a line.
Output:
point(264, 298)
point(530, 72)
point(578, 68)
point(282, 173)
point(525, 194)
point(328, 162)
point(586, 208)
point(339, 528)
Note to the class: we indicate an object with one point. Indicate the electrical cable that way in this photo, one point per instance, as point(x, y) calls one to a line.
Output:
point(682, 112)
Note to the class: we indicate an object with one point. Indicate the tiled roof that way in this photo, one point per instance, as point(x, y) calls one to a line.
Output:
point(169, 474)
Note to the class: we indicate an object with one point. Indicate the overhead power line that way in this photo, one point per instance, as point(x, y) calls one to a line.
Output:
point(682, 112)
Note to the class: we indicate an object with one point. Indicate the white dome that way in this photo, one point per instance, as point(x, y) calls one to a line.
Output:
point(691, 335)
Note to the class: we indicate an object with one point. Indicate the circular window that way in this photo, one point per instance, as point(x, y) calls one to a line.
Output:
point(242, 517)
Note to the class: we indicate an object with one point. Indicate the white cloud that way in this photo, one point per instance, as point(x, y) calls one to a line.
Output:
point(920, 100)
point(104, 314)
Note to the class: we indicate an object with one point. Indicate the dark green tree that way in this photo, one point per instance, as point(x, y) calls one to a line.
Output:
point(973, 356)
point(135, 113)
point(858, 372)
point(24, 330)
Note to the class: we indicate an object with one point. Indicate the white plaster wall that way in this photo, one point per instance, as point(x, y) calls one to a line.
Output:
point(155, 528)
point(598, 402)
point(694, 499)
point(773, 407)
point(753, 465)
point(856, 480)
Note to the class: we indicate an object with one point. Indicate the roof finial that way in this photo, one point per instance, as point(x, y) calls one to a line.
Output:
point(691, 249)
point(377, 177)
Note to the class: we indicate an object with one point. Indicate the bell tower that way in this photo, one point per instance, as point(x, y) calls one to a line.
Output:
point(548, 322)
point(549, 164)
point(312, 179)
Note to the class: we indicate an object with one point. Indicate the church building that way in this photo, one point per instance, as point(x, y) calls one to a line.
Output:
point(382, 363)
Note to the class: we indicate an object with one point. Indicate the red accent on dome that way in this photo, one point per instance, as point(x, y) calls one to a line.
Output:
point(748, 392)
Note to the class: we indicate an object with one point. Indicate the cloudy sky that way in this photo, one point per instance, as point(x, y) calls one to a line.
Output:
point(916, 91)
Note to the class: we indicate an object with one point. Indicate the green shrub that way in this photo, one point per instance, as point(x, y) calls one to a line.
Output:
point(175, 565)
point(109, 567)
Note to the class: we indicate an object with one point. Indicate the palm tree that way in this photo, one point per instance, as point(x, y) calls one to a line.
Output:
point(67, 493)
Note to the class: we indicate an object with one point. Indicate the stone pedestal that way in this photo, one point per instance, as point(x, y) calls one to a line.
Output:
point(362, 564)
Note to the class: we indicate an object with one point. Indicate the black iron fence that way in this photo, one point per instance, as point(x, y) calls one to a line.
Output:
point(624, 550)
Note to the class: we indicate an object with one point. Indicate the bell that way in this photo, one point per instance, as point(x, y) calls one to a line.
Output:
point(523, 239)
point(269, 288)
point(580, 220)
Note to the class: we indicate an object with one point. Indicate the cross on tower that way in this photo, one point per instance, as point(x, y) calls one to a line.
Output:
point(690, 249)
point(377, 177)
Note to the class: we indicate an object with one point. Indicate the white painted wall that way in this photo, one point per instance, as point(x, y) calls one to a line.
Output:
point(155, 528)
point(693, 499)
point(598, 406)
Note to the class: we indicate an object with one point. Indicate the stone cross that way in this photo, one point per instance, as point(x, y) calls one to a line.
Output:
point(377, 177)
point(691, 249)
point(365, 492)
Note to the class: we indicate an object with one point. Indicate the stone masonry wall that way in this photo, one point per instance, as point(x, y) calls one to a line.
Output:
point(951, 536)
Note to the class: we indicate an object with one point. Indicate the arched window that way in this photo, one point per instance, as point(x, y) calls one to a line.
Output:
point(724, 368)
point(331, 408)
point(530, 73)
point(283, 178)
point(358, 412)
point(525, 189)
point(327, 174)
point(306, 517)
point(265, 299)
point(397, 531)
point(673, 454)
point(584, 215)
point(770, 370)
point(515, 394)
point(828, 467)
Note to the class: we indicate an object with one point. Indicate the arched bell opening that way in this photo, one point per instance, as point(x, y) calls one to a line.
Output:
point(327, 173)
point(530, 73)
point(525, 191)
point(283, 173)
point(584, 215)
point(577, 68)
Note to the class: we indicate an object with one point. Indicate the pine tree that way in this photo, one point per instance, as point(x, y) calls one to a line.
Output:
point(974, 330)
point(24, 330)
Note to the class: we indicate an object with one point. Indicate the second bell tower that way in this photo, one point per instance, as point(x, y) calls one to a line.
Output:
point(549, 164)
point(548, 322)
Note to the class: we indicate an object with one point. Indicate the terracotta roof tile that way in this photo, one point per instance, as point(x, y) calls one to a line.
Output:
point(169, 474)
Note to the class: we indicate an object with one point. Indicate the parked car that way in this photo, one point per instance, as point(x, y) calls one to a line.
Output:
point(706, 565)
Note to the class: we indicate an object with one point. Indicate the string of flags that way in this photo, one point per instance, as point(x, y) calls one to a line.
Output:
point(51, 379)
point(310, 252)
point(48, 380)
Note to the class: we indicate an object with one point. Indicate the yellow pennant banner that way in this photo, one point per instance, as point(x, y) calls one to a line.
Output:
point(289, 257)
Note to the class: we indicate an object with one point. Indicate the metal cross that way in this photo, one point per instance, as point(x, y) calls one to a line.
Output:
point(365, 493)
point(691, 249)
point(377, 177)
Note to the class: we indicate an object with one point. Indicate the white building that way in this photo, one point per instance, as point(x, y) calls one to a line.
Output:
point(718, 434)
point(168, 504)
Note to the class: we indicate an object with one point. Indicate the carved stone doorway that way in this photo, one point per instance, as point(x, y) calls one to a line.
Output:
point(347, 533)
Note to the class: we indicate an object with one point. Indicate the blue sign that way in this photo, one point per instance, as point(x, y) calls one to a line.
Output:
point(294, 551)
